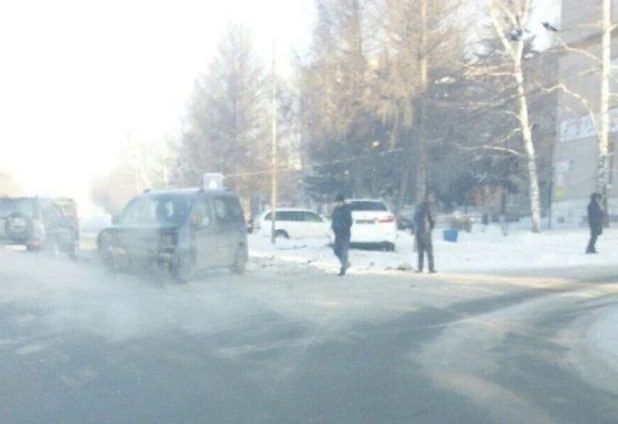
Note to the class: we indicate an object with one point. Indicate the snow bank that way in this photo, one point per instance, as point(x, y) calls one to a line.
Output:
point(474, 252)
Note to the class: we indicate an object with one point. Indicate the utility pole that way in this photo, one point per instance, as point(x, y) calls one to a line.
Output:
point(273, 189)
point(421, 154)
point(606, 58)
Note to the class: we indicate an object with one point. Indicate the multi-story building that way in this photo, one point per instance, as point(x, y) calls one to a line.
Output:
point(576, 150)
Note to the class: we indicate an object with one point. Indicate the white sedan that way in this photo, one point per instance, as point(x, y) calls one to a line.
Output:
point(373, 224)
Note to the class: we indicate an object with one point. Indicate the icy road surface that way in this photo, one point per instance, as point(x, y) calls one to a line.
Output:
point(293, 344)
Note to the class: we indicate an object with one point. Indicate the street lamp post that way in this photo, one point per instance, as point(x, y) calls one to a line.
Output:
point(273, 194)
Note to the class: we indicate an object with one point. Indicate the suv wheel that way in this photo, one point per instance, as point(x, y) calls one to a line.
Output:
point(18, 227)
point(73, 253)
point(52, 248)
point(240, 260)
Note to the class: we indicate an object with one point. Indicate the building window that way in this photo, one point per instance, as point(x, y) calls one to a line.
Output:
point(512, 200)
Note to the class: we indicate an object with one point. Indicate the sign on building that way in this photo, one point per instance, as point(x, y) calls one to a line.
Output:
point(584, 126)
point(563, 166)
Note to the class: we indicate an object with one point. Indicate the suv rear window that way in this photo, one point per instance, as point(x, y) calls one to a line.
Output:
point(11, 206)
point(368, 206)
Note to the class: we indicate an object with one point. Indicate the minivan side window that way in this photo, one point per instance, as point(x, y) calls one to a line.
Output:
point(285, 216)
point(279, 216)
point(201, 214)
point(234, 209)
point(221, 210)
point(311, 217)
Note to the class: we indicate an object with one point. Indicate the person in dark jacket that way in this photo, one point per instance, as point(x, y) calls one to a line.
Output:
point(424, 223)
point(342, 227)
point(595, 221)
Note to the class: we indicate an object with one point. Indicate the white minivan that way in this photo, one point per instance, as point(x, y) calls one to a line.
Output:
point(293, 223)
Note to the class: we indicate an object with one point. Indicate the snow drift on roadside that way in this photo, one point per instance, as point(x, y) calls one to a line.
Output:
point(474, 252)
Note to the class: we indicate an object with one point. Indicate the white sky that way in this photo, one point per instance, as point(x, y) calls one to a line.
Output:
point(78, 76)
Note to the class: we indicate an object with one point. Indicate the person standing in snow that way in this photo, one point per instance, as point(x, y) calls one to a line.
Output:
point(424, 223)
point(342, 227)
point(595, 221)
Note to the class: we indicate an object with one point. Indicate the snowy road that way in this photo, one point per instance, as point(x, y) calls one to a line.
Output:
point(296, 345)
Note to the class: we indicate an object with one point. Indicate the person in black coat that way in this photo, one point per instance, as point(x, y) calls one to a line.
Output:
point(424, 223)
point(595, 221)
point(342, 227)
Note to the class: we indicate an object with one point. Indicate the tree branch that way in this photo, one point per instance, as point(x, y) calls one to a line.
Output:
point(490, 148)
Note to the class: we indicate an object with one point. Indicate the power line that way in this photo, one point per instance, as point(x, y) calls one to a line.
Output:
point(312, 165)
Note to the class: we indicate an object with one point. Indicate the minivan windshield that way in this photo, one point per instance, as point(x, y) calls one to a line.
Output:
point(157, 209)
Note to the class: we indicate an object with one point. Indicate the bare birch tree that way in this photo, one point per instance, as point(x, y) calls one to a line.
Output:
point(509, 20)
point(606, 55)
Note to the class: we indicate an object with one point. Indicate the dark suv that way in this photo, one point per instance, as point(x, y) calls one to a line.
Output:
point(37, 224)
point(177, 232)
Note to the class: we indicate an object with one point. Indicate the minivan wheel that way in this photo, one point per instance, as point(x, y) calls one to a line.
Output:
point(281, 234)
point(240, 261)
point(183, 270)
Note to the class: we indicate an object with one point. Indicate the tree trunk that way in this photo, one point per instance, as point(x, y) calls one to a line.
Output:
point(526, 133)
point(421, 157)
point(602, 164)
point(403, 185)
point(358, 171)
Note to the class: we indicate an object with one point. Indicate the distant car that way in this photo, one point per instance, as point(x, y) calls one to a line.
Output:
point(177, 233)
point(405, 224)
point(37, 224)
point(293, 223)
point(373, 224)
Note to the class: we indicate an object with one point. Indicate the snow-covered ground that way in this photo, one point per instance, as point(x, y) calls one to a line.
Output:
point(289, 278)
point(477, 253)
point(488, 251)
point(603, 335)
